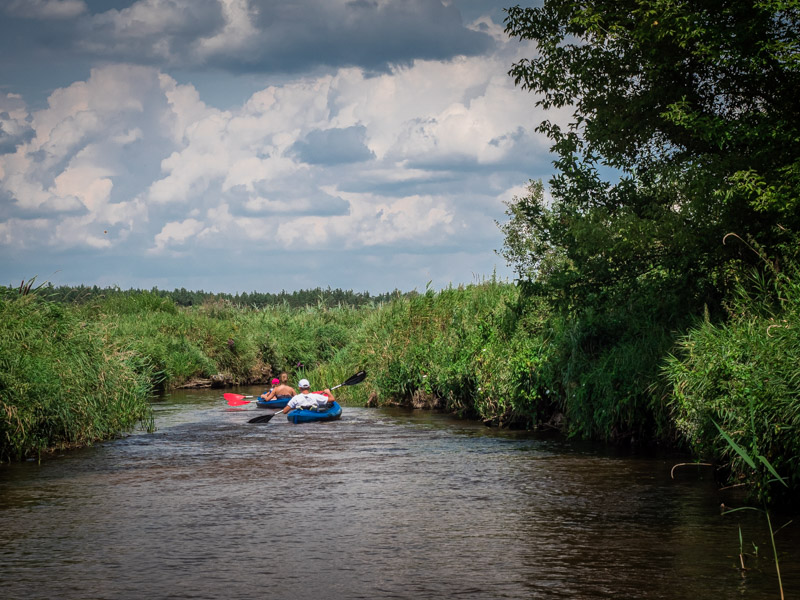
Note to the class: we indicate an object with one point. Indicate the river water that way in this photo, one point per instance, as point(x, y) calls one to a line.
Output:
point(385, 503)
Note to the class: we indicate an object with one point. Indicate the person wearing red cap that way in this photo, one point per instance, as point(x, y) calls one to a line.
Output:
point(279, 390)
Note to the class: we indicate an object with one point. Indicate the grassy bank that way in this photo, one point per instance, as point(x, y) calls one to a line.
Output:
point(487, 351)
point(737, 383)
point(63, 380)
point(466, 350)
point(72, 373)
point(219, 343)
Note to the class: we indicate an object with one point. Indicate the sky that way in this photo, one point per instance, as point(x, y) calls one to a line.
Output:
point(261, 145)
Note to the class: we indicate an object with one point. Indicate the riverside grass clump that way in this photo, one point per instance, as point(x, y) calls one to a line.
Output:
point(63, 383)
point(237, 345)
point(606, 367)
point(467, 350)
point(299, 340)
point(737, 385)
point(489, 351)
point(180, 344)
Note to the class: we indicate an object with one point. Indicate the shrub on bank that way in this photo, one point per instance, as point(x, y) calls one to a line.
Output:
point(606, 370)
point(744, 376)
point(62, 382)
point(468, 350)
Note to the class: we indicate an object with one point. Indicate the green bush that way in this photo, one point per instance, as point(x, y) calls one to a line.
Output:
point(606, 367)
point(744, 375)
point(468, 350)
point(62, 382)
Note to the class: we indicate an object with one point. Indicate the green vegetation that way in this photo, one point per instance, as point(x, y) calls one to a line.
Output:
point(679, 159)
point(63, 381)
point(183, 297)
point(74, 373)
point(467, 350)
point(490, 351)
point(737, 384)
point(745, 456)
point(657, 299)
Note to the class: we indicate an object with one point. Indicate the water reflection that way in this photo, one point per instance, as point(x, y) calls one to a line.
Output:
point(382, 504)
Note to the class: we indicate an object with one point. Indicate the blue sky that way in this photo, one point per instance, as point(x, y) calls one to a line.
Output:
point(260, 145)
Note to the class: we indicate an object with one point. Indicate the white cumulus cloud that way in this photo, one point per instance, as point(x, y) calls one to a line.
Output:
point(133, 162)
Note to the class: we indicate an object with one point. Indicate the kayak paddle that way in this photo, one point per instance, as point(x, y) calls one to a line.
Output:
point(357, 378)
point(236, 399)
point(263, 418)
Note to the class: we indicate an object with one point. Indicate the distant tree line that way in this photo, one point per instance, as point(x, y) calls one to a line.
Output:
point(318, 297)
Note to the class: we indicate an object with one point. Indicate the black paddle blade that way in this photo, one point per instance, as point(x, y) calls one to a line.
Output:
point(357, 378)
point(262, 418)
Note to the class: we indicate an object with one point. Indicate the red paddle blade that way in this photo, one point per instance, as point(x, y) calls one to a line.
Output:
point(238, 402)
point(235, 399)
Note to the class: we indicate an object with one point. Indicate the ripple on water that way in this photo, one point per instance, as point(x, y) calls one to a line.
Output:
point(381, 504)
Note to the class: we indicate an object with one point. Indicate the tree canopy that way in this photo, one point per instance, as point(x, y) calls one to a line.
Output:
point(695, 106)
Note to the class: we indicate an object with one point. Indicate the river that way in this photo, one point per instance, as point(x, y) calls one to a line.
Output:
point(385, 503)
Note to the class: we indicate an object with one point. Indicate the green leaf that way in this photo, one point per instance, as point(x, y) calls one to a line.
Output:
point(771, 469)
point(739, 450)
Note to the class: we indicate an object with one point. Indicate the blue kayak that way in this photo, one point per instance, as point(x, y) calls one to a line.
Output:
point(309, 415)
point(279, 402)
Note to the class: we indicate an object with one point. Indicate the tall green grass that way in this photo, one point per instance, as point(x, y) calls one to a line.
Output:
point(467, 350)
point(180, 344)
point(74, 374)
point(744, 375)
point(487, 351)
point(63, 382)
point(606, 368)
point(220, 340)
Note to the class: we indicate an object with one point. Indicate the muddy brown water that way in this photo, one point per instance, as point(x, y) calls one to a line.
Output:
point(384, 503)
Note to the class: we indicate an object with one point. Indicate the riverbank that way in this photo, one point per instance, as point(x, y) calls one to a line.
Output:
point(76, 373)
point(64, 382)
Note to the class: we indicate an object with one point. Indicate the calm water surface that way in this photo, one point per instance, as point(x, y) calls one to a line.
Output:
point(382, 504)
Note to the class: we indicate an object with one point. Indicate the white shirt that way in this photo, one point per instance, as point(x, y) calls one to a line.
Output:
point(307, 400)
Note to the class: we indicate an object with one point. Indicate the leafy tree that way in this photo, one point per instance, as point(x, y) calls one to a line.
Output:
point(695, 105)
point(683, 127)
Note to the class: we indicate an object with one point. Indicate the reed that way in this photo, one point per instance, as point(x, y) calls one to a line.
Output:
point(751, 462)
point(63, 382)
point(219, 339)
point(72, 374)
point(744, 375)
point(467, 350)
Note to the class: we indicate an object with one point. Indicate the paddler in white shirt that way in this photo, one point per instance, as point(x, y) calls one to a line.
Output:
point(307, 399)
